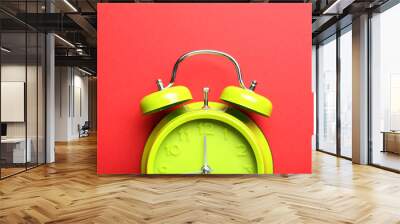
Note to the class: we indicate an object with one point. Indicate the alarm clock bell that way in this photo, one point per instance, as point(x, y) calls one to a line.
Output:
point(243, 97)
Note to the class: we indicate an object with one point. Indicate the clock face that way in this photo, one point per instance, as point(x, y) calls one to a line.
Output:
point(194, 144)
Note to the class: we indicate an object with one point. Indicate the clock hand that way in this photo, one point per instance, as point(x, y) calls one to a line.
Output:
point(205, 162)
point(205, 169)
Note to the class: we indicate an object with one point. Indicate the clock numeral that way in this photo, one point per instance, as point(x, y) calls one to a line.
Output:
point(173, 150)
point(226, 133)
point(205, 128)
point(183, 135)
point(242, 150)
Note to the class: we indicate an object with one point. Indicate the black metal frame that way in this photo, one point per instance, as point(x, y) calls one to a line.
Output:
point(317, 97)
point(0, 89)
point(338, 98)
point(369, 90)
point(44, 70)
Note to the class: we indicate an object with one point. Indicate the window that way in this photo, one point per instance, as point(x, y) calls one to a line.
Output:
point(314, 84)
point(385, 89)
point(327, 96)
point(335, 74)
point(346, 93)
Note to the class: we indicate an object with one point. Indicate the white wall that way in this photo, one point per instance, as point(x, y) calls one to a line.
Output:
point(81, 103)
point(16, 73)
point(61, 103)
point(71, 102)
point(12, 73)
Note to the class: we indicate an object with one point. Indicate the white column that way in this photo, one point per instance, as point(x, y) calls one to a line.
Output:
point(50, 99)
point(360, 90)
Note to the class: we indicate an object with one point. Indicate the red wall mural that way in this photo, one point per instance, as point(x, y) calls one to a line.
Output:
point(138, 43)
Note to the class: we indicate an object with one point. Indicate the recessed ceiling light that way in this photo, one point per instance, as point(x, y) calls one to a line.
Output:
point(84, 71)
point(70, 5)
point(64, 40)
point(5, 50)
point(337, 7)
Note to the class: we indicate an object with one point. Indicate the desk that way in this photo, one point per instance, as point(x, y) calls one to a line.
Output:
point(391, 141)
point(13, 150)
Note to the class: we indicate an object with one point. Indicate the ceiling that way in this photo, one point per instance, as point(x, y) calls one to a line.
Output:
point(75, 22)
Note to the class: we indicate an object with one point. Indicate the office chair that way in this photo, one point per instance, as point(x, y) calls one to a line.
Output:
point(84, 130)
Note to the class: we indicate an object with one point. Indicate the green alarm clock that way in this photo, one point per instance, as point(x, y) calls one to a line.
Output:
point(206, 137)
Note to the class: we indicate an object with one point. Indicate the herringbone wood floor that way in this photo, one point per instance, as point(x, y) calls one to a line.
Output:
point(69, 191)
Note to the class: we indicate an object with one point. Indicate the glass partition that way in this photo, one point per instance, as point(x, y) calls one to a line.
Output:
point(14, 153)
point(41, 97)
point(31, 100)
point(22, 77)
point(35, 87)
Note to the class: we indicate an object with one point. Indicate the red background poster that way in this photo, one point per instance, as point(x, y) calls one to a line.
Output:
point(138, 43)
